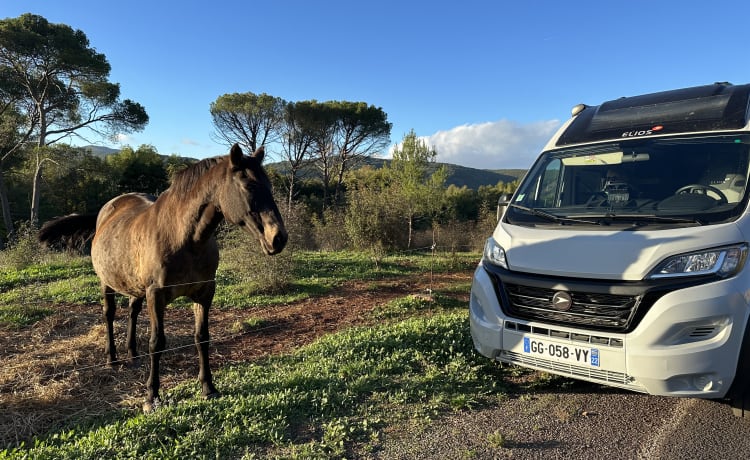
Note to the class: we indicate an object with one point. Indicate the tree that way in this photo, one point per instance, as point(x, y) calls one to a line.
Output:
point(300, 124)
point(324, 154)
point(249, 119)
point(462, 203)
point(65, 87)
point(360, 131)
point(345, 133)
point(141, 170)
point(335, 134)
point(81, 183)
point(488, 195)
point(11, 138)
point(371, 219)
point(416, 192)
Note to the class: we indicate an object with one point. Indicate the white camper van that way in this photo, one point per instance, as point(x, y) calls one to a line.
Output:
point(621, 258)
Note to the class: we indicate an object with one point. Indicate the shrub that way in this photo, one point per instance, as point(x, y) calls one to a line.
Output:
point(329, 231)
point(241, 255)
point(23, 249)
point(371, 220)
point(299, 225)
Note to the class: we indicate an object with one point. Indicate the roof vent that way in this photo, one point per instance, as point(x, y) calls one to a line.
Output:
point(577, 109)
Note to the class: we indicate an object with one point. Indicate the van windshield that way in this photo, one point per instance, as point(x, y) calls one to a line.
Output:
point(634, 183)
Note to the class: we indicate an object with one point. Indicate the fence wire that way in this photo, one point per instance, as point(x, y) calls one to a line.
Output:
point(29, 300)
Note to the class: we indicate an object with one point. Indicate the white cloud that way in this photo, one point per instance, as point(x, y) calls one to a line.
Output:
point(122, 139)
point(191, 142)
point(493, 145)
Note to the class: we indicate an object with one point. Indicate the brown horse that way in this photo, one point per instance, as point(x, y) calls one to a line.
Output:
point(159, 249)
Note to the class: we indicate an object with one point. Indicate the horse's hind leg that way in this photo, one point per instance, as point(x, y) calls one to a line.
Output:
point(155, 304)
point(134, 308)
point(108, 310)
point(200, 309)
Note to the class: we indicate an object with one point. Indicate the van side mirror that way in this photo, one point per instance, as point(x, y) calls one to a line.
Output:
point(502, 204)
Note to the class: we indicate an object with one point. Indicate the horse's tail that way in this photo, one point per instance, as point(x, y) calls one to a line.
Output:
point(69, 232)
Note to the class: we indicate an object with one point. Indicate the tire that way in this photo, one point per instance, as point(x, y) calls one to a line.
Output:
point(741, 407)
point(739, 393)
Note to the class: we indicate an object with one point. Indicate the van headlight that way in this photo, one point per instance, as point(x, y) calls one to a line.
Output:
point(494, 253)
point(723, 262)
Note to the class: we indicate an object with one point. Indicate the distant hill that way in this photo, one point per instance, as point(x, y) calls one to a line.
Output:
point(457, 175)
point(100, 151)
point(103, 152)
point(473, 178)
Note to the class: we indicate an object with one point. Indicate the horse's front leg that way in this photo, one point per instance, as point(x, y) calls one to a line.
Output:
point(201, 309)
point(108, 312)
point(134, 308)
point(155, 304)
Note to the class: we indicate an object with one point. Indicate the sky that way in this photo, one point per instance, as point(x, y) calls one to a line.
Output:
point(484, 82)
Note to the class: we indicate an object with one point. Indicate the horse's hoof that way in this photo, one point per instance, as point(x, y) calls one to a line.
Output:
point(133, 363)
point(212, 395)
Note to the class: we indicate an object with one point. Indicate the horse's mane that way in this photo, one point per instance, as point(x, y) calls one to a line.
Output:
point(183, 181)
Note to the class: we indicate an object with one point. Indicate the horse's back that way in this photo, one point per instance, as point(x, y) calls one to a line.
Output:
point(126, 206)
point(117, 247)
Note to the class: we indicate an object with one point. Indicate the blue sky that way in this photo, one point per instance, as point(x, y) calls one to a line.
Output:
point(486, 82)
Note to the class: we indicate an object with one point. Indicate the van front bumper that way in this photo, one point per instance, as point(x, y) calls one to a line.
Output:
point(686, 344)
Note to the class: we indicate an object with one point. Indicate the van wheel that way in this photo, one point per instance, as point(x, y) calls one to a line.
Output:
point(741, 406)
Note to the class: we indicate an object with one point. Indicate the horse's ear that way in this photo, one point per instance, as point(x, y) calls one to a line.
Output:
point(235, 155)
point(259, 154)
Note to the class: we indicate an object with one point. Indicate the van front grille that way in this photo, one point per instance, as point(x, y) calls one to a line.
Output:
point(593, 310)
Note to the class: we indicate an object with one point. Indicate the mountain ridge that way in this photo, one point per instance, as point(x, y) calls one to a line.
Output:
point(458, 175)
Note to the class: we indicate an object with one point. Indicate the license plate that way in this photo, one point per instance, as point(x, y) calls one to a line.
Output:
point(561, 352)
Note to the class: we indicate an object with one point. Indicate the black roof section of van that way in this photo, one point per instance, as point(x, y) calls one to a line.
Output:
point(717, 107)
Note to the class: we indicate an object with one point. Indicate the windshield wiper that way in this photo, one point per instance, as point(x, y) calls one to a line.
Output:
point(551, 217)
point(652, 218)
point(608, 218)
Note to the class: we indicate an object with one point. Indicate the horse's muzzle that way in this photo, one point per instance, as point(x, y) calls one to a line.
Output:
point(273, 242)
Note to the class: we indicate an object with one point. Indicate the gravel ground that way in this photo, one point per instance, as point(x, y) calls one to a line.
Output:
point(599, 424)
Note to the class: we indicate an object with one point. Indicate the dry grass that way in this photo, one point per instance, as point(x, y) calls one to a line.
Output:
point(53, 373)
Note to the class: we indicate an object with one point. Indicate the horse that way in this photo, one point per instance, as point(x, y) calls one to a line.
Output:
point(158, 249)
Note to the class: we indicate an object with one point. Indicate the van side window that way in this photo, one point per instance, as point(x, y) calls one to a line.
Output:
point(548, 186)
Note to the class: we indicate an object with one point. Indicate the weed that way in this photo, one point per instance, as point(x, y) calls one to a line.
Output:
point(247, 325)
point(403, 306)
point(496, 439)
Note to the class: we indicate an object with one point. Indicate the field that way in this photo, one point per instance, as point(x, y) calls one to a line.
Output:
point(350, 351)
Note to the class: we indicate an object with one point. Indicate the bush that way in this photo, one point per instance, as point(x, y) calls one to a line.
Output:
point(371, 221)
point(299, 226)
point(23, 249)
point(241, 255)
point(330, 232)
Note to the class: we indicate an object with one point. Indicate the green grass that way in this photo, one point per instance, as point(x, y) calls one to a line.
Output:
point(334, 267)
point(18, 316)
point(73, 281)
point(11, 278)
point(331, 399)
point(26, 295)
